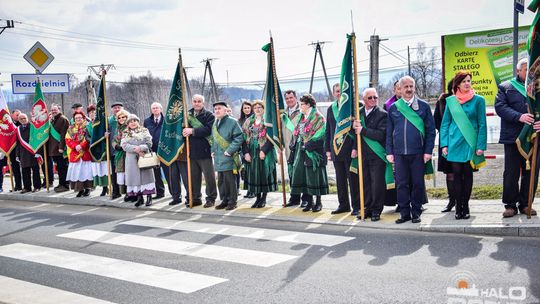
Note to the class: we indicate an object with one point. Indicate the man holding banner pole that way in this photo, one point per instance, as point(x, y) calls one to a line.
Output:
point(57, 146)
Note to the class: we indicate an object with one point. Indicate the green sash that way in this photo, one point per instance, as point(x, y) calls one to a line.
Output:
point(290, 124)
point(224, 145)
point(58, 138)
point(195, 123)
point(315, 157)
point(416, 121)
point(466, 128)
point(380, 151)
point(518, 86)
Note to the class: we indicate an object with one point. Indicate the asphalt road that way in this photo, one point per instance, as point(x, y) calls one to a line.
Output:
point(79, 254)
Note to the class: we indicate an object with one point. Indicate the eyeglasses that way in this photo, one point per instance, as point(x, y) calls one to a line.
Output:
point(372, 97)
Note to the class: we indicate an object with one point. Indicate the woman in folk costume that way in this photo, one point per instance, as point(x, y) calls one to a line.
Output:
point(120, 154)
point(246, 111)
point(259, 153)
point(136, 141)
point(80, 166)
point(307, 154)
point(464, 138)
point(99, 168)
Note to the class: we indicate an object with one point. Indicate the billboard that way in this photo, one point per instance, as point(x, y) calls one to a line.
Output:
point(487, 55)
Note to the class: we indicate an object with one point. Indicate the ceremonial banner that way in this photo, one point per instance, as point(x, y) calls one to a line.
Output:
point(8, 130)
point(171, 141)
point(39, 121)
point(270, 115)
point(98, 146)
point(527, 135)
point(345, 104)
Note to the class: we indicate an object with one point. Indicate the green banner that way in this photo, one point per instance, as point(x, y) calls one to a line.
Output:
point(39, 121)
point(171, 140)
point(525, 139)
point(98, 144)
point(345, 106)
point(487, 55)
point(270, 113)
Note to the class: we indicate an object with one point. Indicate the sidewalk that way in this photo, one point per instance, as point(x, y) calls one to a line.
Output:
point(486, 215)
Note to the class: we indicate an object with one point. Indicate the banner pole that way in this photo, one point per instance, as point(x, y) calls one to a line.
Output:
point(10, 172)
point(358, 137)
point(46, 166)
point(278, 118)
point(186, 124)
point(108, 153)
point(532, 176)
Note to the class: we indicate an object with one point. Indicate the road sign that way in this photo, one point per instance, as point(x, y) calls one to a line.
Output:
point(519, 5)
point(50, 83)
point(39, 57)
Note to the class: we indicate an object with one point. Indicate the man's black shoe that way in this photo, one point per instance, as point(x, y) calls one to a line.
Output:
point(304, 204)
point(115, 195)
point(375, 217)
point(223, 205)
point(402, 220)
point(175, 202)
point(158, 196)
point(416, 220)
point(339, 211)
point(292, 204)
point(195, 204)
point(355, 212)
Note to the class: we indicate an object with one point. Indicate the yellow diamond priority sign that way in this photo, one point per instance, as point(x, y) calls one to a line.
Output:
point(39, 57)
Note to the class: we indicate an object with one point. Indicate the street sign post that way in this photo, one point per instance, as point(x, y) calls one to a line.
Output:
point(519, 5)
point(39, 57)
point(50, 83)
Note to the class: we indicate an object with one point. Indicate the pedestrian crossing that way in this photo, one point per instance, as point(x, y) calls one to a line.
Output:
point(175, 280)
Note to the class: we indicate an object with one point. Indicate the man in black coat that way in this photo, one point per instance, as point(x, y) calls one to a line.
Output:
point(342, 161)
point(373, 165)
point(199, 132)
point(511, 106)
point(27, 159)
point(154, 124)
point(15, 165)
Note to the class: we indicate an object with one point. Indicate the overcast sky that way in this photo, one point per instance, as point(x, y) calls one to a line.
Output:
point(142, 35)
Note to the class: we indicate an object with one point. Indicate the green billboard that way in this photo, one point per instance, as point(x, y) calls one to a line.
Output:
point(487, 55)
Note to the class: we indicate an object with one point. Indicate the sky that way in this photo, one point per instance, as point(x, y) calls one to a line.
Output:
point(138, 36)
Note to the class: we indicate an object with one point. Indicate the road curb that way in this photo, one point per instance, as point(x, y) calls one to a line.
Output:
point(516, 230)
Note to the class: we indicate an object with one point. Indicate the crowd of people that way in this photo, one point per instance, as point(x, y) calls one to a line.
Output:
point(397, 141)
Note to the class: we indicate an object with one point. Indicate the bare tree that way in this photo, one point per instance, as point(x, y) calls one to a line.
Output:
point(426, 70)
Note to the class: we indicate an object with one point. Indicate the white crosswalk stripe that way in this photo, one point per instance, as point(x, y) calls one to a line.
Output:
point(220, 253)
point(175, 280)
point(245, 232)
point(21, 292)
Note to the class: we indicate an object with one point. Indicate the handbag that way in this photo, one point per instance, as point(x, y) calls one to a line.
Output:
point(148, 160)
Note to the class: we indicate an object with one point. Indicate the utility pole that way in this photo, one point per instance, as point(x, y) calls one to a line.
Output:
point(9, 24)
point(374, 41)
point(188, 89)
point(213, 88)
point(318, 50)
point(409, 59)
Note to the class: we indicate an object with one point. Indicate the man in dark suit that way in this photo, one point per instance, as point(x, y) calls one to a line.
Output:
point(342, 161)
point(154, 124)
point(511, 106)
point(199, 132)
point(28, 160)
point(373, 134)
point(15, 165)
point(410, 146)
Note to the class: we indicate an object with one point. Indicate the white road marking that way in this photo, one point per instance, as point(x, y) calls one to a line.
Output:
point(219, 253)
point(21, 292)
point(160, 277)
point(247, 232)
point(85, 211)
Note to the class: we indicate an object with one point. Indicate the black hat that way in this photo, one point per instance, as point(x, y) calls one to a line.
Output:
point(217, 103)
point(76, 105)
point(117, 103)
